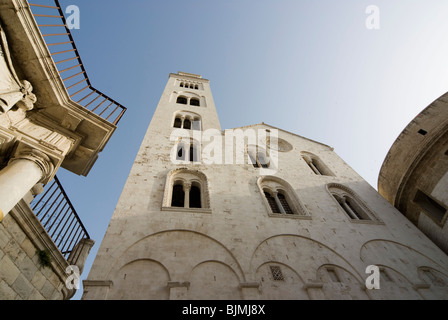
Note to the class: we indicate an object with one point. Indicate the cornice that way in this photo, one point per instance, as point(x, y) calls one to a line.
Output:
point(190, 76)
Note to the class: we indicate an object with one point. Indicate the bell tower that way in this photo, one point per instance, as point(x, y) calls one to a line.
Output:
point(170, 147)
point(187, 98)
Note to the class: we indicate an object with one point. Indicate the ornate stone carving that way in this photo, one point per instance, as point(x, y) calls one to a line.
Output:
point(187, 177)
point(13, 91)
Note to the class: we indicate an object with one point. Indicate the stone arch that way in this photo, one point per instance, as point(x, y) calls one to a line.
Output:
point(436, 277)
point(289, 287)
point(394, 286)
point(188, 95)
point(435, 283)
point(340, 283)
point(195, 102)
point(316, 164)
point(186, 176)
point(399, 256)
point(339, 190)
point(180, 152)
point(194, 118)
point(143, 279)
point(179, 250)
point(304, 255)
point(213, 279)
point(274, 184)
point(258, 156)
point(181, 99)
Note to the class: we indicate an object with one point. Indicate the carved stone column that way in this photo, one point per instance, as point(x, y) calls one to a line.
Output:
point(23, 171)
point(187, 188)
point(277, 201)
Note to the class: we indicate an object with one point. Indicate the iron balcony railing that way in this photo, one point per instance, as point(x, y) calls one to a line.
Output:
point(59, 218)
point(49, 16)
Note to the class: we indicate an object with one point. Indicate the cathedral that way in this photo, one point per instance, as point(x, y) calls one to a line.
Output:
point(252, 213)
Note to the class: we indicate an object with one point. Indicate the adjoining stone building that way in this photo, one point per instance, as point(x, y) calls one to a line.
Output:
point(252, 213)
point(414, 175)
point(47, 122)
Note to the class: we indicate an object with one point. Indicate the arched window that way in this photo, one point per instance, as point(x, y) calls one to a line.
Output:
point(187, 151)
point(280, 198)
point(178, 197)
point(187, 189)
point(195, 196)
point(278, 202)
point(284, 202)
point(193, 153)
point(181, 85)
point(196, 87)
point(350, 203)
point(187, 124)
point(262, 159)
point(194, 102)
point(253, 160)
point(182, 100)
point(178, 123)
point(180, 155)
point(257, 156)
point(347, 203)
point(316, 164)
point(187, 120)
point(272, 203)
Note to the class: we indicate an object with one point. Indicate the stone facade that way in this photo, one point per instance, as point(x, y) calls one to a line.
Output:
point(304, 226)
point(22, 275)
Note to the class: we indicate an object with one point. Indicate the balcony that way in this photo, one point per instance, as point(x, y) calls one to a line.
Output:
point(67, 127)
point(52, 23)
point(43, 52)
point(59, 218)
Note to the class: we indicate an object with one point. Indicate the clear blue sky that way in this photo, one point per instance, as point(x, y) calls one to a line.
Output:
point(309, 67)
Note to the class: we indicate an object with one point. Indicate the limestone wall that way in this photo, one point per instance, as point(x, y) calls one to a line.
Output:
point(22, 276)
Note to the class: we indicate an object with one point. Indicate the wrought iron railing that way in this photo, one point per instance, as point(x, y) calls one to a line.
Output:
point(59, 218)
point(49, 16)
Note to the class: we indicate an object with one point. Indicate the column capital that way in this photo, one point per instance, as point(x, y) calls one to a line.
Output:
point(187, 186)
point(26, 168)
point(38, 157)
